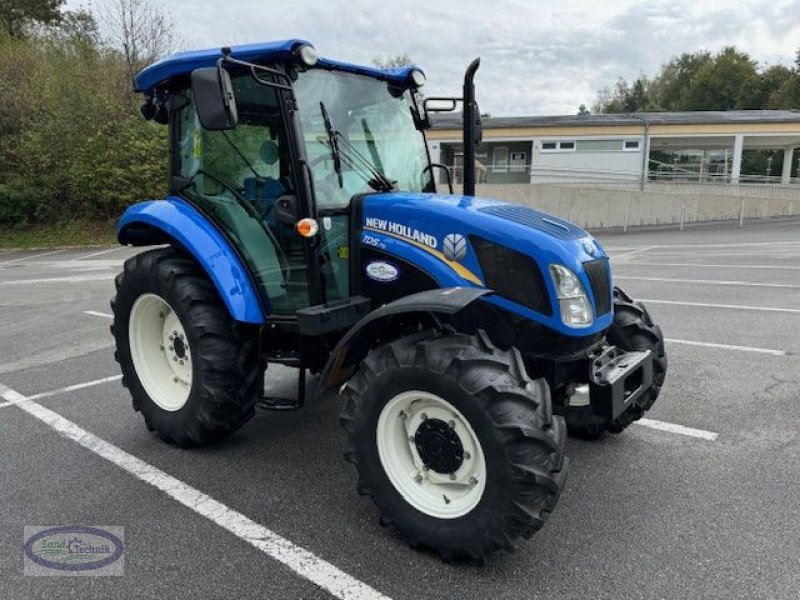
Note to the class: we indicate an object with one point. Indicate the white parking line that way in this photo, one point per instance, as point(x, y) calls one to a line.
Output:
point(101, 252)
point(679, 429)
point(94, 313)
point(70, 279)
point(692, 265)
point(731, 306)
point(8, 262)
point(301, 561)
point(729, 347)
point(69, 388)
point(634, 252)
point(708, 281)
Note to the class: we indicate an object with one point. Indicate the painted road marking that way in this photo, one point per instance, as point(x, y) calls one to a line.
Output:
point(8, 262)
point(100, 253)
point(64, 390)
point(303, 562)
point(729, 347)
point(731, 306)
point(708, 281)
point(634, 252)
point(691, 265)
point(679, 429)
point(69, 388)
point(94, 313)
point(70, 279)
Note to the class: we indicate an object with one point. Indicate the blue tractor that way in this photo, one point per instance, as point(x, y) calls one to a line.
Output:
point(303, 228)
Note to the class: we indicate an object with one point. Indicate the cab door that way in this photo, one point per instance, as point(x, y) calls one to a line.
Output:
point(244, 179)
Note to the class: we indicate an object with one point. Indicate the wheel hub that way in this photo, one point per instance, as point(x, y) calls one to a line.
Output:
point(439, 446)
point(160, 351)
point(431, 454)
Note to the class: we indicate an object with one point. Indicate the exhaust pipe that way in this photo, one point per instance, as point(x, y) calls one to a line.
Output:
point(472, 127)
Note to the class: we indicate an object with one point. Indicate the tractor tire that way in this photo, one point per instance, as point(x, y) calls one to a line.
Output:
point(632, 329)
point(454, 443)
point(192, 370)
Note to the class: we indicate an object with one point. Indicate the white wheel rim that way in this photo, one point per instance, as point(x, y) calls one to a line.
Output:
point(160, 352)
point(441, 495)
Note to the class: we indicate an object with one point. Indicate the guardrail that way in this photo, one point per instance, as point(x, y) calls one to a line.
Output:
point(677, 182)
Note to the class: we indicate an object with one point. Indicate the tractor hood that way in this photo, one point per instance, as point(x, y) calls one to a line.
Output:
point(446, 226)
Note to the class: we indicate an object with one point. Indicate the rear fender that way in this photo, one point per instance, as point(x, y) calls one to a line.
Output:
point(359, 340)
point(175, 221)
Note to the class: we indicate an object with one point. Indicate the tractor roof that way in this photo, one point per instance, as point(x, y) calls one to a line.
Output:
point(183, 63)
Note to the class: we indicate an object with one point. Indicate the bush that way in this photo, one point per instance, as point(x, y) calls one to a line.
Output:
point(72, 141)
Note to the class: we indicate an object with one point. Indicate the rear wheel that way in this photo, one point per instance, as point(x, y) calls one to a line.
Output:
point(455, 444)
point(632, 329)
point(191, 369)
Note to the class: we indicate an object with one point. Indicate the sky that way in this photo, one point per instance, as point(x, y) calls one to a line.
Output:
point(537, 57)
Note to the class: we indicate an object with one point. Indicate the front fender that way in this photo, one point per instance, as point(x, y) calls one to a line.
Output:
point(355, 344)
point(175, 220)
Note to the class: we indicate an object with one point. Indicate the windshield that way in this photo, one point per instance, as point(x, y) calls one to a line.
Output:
point(374, 127)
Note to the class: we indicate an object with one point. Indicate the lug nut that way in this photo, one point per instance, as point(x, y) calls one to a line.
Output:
point(424, 417)
point(467, 456)
point(473, 481)
point(452, 476)
point(180, 362)
point(171, 347)
point(175, 358)
point(403, 415)
point(451, 424)
point(418, 478)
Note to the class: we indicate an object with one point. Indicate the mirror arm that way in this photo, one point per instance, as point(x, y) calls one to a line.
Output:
point(254, 68)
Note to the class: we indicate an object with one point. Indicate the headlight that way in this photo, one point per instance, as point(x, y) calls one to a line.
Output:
point(307, 55)
point(417, 77)
point(576, 310)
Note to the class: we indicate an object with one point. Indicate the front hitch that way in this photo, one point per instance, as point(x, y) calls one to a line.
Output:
point(617, 378)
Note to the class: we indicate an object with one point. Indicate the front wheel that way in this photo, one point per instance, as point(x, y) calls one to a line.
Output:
point(455, 444)
point(191, 369)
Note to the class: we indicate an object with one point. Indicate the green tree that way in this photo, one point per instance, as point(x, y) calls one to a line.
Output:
point(728, 80)
point(17, 15)
point(73, 143)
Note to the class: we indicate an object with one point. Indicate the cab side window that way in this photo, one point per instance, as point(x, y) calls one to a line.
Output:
point(237, 176)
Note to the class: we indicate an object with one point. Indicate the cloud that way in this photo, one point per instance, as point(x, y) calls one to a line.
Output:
point(543, 57)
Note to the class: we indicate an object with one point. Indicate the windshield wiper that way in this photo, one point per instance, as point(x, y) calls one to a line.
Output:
point(379, 181)
point(335, 154)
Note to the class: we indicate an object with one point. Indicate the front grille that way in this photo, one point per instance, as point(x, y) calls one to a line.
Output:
point(597, 271)
point(512, 275)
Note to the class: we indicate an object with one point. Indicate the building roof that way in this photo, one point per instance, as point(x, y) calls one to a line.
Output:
point(705, 117)
point(183, 63)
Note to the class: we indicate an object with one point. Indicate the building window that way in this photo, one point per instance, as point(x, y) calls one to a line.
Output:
point(630, 145)
point(559, 146)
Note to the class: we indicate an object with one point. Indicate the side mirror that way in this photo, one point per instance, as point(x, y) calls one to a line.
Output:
point(288, 210)
point(212, 92)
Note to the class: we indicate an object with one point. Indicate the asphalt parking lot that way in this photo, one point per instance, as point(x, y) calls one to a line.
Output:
point(700, 502)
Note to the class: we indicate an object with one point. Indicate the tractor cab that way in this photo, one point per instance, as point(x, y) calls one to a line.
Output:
point(273, 143)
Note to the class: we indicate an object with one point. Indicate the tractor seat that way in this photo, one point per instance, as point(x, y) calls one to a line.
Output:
point(263, 193)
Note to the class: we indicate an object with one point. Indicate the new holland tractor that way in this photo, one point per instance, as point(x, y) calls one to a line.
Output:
point(304, 228)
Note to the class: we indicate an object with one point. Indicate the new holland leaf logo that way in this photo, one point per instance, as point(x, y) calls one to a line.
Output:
point(454, 246)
